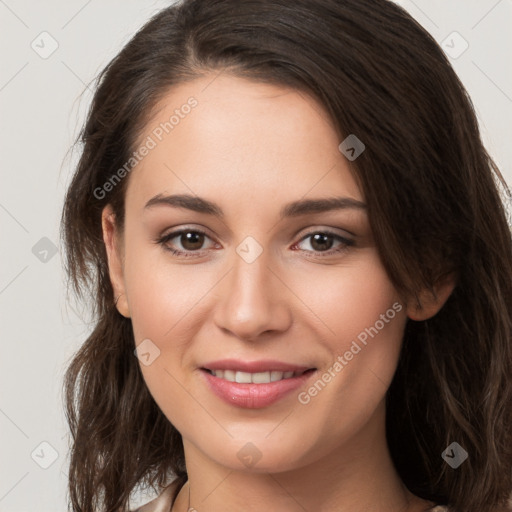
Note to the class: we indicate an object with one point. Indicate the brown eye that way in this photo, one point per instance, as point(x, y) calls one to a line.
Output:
point(321, 243)
point(185, 242)
point(191, 240)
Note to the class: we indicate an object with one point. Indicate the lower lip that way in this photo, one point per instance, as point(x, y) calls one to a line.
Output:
point(254, 396)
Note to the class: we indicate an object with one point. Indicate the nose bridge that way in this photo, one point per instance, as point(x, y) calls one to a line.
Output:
point(252, 298)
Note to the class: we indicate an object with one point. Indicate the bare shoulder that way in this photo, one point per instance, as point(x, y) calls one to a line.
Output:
point(163, 502)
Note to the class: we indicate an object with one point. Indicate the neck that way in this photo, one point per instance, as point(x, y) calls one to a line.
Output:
point(354, 477)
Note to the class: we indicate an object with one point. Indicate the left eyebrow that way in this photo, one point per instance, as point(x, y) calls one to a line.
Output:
point(293, 209)
point(305, 206)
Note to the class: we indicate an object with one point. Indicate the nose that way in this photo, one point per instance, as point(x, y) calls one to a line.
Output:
point(253, 300)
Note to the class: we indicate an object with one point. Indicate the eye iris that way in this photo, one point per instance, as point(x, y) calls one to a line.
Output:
point(318, 241)
point(192, 240)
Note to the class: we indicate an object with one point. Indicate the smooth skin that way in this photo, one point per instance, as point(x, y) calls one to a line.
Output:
point(252, 148)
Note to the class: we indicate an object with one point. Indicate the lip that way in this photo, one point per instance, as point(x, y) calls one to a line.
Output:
point(250, 395)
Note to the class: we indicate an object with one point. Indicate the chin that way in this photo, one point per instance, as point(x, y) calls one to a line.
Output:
point(258, 453)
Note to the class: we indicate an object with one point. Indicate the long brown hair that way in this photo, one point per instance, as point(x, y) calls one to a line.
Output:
point(434, 205)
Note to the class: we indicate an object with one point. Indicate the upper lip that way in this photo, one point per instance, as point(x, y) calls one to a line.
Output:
point(263, 365)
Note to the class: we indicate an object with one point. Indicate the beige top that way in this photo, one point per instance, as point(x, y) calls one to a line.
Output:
point(160, 504)
point(163, 503)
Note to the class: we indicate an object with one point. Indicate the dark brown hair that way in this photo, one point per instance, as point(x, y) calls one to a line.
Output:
point(434, 206)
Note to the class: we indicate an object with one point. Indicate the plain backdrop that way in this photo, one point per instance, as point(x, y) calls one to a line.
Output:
point(51, 52)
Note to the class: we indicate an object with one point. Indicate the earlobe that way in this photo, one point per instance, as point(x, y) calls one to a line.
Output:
point(114, 257)
point(430, 303)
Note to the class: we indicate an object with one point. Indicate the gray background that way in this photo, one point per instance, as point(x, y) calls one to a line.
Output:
point(42, 105)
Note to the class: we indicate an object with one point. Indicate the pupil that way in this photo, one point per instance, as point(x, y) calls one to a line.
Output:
point(321, 246)
point(193, 240)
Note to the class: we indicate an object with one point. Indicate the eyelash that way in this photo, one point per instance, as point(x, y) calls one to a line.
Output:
point(345, 243)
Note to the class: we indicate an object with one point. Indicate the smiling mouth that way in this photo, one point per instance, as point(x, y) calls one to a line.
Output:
point(256, 377)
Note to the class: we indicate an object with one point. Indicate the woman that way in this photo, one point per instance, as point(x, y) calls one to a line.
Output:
point(301, 269)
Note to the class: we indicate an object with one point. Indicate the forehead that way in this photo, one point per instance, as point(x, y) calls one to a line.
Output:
point(230, 138)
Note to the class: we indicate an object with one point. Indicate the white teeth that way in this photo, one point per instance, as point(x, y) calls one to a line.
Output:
point(261, 378)
point(276, 376)
point(243, 377)
point(228, 375)
point(255, 378)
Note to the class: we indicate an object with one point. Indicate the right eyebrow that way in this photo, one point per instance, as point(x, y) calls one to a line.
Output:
point(194, 203)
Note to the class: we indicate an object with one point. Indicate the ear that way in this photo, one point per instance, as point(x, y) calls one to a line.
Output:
point(112, 241)
point(431, 302)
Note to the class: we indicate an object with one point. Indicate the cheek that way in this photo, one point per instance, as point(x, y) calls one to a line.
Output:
point(348, 300)
point(363, 320)
point(160, 295)
point(164, 302)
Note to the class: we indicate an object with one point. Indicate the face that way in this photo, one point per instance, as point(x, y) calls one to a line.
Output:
point(254, 277)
